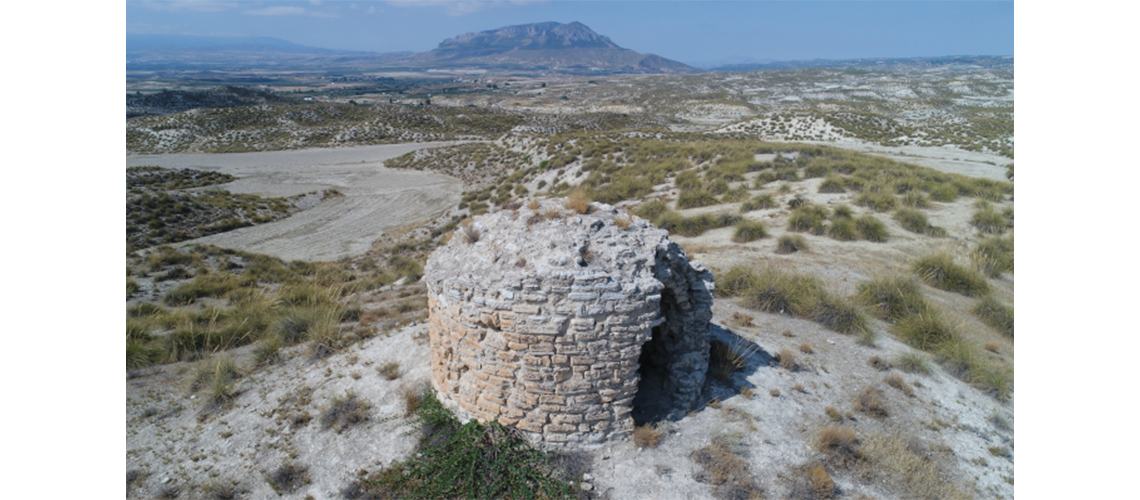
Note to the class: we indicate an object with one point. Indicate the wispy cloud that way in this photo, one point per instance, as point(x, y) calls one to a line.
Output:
point(463, 7)
point(282, 10)
point(188, 5)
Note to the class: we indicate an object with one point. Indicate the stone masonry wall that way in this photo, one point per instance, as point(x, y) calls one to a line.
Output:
point(541, 322)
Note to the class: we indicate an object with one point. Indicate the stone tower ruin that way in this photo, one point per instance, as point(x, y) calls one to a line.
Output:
point(566, 326)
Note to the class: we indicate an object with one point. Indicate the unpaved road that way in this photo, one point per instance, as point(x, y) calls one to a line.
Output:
point(376, 199)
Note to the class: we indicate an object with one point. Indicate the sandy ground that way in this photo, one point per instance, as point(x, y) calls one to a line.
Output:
point(376, 199)
point(945, 159)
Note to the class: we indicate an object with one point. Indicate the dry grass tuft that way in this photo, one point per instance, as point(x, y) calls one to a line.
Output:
point(791, 243)
point(747, 392)
point(814, 484)
point(288, 478)
point(994, 313)
point(741, 319)
point(992, 347)
point(412, 396)
point(912, 362)
point(787, 360)
point(806, 349)
point(533, 204)
point(774, 393)
point(907, 467)
point(623, 221)
point(838, 444)
point(647, 436)
point(390, 370)
point(344, 412)
point(878, 363)
point(833, 414)
point(724, 467)
point(725, 360)
point(871, 402)
point(895, 380)
point(578, 202)
point(940, 271)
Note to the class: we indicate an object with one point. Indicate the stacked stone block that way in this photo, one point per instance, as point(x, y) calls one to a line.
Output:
point(540, 324)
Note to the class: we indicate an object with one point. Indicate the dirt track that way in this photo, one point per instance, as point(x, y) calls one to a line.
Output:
point(376, 199)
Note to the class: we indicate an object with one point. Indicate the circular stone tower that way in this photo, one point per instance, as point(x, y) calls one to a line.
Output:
point(567, 326)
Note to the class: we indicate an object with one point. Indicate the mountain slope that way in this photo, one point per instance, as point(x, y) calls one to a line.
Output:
point(549, 46)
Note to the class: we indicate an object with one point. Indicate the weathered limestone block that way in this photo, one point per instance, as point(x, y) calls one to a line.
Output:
point(559, 325)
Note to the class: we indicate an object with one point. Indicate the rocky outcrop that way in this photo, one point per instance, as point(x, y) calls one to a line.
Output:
point(566, 325)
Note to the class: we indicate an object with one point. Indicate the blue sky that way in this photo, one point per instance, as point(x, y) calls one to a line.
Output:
point(688, 31)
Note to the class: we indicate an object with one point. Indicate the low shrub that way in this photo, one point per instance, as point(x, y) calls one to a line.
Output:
point(838, 444)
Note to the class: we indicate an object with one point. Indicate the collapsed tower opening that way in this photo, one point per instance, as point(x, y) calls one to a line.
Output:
point(569, 328)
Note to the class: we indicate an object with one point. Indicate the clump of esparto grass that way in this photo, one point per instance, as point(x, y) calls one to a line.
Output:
point(533, 204)
point(839, 314)
point(724, 467)
point(871, 229)
point(913, 220)
point(288, 478)
point(725, 360)
point(748, 230)
point(578, 202)
point(210, 285)
point(268, 350)
point(324, 335)
point(842, 212)
point(870, 401)
point(132, 287)
point(925, 330)
point(734, 195)
point(390, 370)
point(895, 380)
point(344, 412)
point(832, 184)
point(891, 298)
point(940, 271)
point(806, 349)
point(791, 243)
point(842, 230)
point(472, 460)
point(879, 202)
point(995, 314)
point(915, 199)
point(758, 202)
point(994, 256)
point(787, 360)
point(838, 444)
point(912, 362)
point(647, 436)
point(776, 291)
point(695, 198)
point(989, 221)
point(808, 218)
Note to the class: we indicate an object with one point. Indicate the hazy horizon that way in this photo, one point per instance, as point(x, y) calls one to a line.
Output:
point(693, 32)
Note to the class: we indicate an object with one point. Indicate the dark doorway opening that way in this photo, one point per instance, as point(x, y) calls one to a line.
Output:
point(653, 400)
